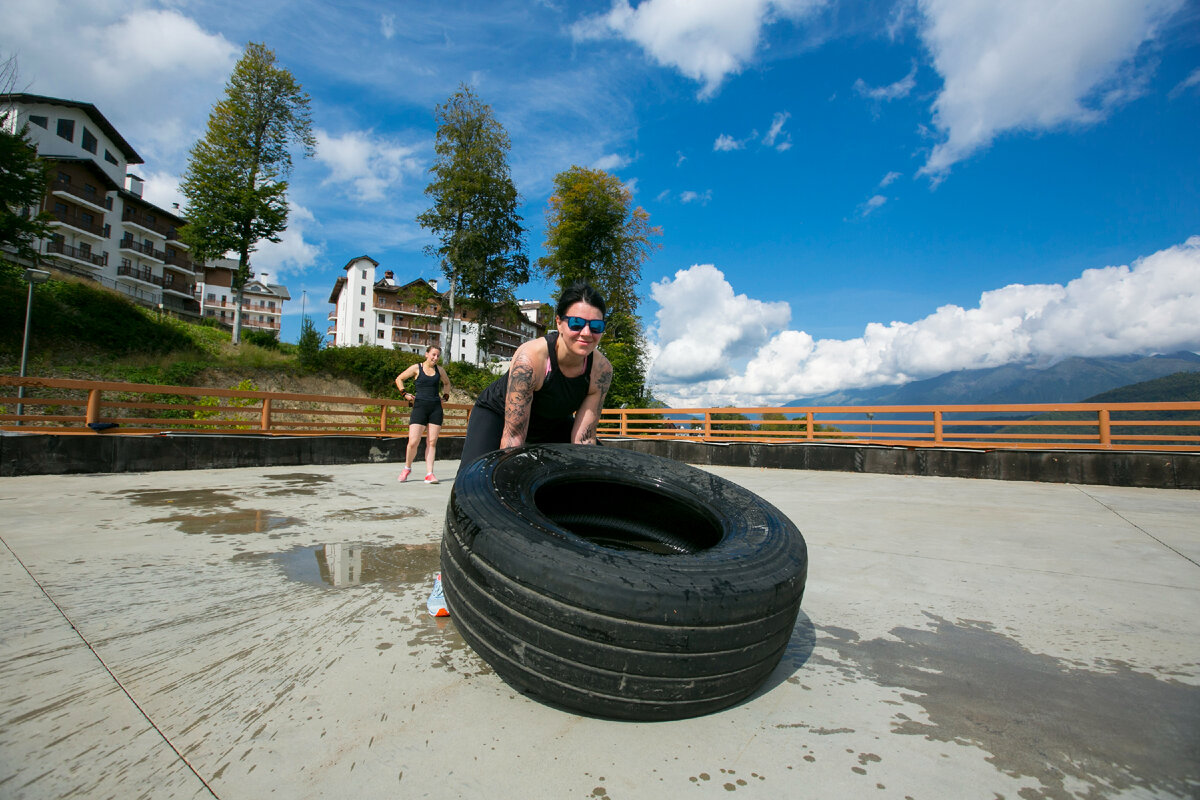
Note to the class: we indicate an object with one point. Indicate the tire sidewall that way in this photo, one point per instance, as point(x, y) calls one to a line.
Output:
point(758, 566)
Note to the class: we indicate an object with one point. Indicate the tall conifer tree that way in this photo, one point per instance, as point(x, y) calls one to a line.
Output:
point(234, 184)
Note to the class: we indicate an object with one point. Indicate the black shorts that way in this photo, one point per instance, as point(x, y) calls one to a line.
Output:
point(426, 412)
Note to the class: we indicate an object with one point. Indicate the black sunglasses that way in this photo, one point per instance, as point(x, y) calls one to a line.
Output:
point(577, 323)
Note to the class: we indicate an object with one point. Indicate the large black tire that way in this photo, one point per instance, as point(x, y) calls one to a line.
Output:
point(620, 584)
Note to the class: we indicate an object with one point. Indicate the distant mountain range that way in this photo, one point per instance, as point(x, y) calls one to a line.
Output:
point(1072, 380)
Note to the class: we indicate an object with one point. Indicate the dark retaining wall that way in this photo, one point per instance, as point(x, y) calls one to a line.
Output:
point(43, 454)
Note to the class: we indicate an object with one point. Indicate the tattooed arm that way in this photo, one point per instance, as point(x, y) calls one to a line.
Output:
point(525, 377)
point(586, 419)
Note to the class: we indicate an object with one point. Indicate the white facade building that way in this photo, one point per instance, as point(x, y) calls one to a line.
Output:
point(102, 227)
point(262, 302)
point(371, 310)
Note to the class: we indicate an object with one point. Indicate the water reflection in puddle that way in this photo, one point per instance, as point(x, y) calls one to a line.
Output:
point(234, 521)
point(347, 564)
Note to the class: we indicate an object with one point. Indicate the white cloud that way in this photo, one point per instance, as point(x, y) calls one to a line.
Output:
point(1190, 82)
point(1030, 65)
point(162, 189)
point(610, 162)
point(110, 53)
point(701, 336)
point(366, 166)
point(291, 254)
point(888, 179)
point(775, 137)
point(873, 203)
point(893, 91)
point(706, 40)
point(387, 25)
point(701, 323)
point(696, 197)
point(725, 143)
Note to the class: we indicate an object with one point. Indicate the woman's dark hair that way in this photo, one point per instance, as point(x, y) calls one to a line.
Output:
point(577, 292)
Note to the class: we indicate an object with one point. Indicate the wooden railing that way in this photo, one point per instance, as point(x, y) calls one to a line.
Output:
point(54, 405)
point(60, 405)
point(1108, 426)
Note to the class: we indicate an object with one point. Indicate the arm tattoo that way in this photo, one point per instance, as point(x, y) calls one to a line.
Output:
point(603, 382)
point(517, 403)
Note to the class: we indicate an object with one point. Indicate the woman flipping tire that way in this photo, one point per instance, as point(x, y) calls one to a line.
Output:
point(620, 584)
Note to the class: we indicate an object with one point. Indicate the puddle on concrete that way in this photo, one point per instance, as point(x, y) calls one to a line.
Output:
point(307, 479)
point(231, 522)
point(346, 564)
point(198, 499)
point(373, 514)
point(1080, 733)
point(298, 483)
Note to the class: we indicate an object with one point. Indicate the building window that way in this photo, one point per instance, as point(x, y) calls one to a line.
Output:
point(108, 231)
point(60, 208)
point(362, 306)
point(63, 177)
point(378, 334)
point(360, 339)
point(125, 262)
point(109, 157)
point(382, 320)
point(86, 218)
point(40, 121)
point(89, 190)
point(66, 129)
point(85, 248)
point(212, 296)
point(360, 323)
point(364, 274)
point(88, 141)
point(362, 290)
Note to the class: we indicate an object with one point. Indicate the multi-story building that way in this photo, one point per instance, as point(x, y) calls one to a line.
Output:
point(102, 226)
point(414, 315)
point(262, 302)
point(105, 230)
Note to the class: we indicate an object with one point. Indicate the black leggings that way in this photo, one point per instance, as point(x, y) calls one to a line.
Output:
point(485, 428)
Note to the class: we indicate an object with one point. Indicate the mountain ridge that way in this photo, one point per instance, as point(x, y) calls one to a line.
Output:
point(1071, 380)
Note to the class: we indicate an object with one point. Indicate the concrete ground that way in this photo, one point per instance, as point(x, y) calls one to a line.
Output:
point(241, 633)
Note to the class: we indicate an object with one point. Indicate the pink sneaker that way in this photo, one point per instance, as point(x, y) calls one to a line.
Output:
point(404, 474)
point(430, 478)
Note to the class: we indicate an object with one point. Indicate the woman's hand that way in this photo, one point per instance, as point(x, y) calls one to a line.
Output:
point(446, 396)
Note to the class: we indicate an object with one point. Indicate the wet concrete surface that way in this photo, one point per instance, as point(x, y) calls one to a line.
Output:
point(251, 632)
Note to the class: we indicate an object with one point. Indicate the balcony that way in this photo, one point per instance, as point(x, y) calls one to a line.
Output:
point(173, 238)
point(131, 218)
point(140, 274)
point(172, 283)
point(177, 260)
point(95, 200)
point(79, 254)
point(75, 220)
point(129, 244)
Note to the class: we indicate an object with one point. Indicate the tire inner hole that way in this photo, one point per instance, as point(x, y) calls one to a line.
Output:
point(622, 517)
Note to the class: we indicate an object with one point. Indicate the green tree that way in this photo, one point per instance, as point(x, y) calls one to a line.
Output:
point(480, 239)
point(308, 347)
point(234, 183)
point(24, 178)
point(594, 234)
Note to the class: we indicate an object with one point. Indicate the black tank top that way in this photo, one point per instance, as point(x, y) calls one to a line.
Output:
point(554, 405)
point(428, 385)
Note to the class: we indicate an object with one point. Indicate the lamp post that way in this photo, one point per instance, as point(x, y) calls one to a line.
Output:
point(33, 276)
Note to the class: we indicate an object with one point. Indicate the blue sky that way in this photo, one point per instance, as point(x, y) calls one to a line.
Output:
point(851, 193)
